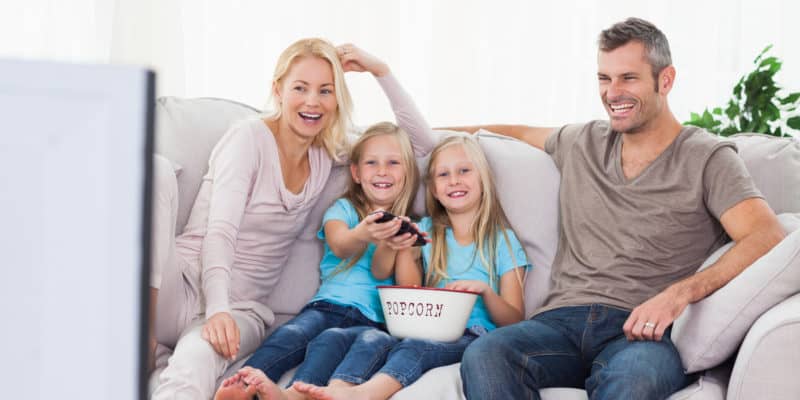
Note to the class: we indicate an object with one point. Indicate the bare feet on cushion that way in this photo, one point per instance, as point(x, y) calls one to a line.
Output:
point(330, 392)
point(251, 381)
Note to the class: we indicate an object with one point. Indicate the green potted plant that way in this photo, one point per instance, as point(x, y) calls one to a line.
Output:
point(755, 105)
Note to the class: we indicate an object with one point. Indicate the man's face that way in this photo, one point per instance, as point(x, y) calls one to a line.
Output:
point(627, 88)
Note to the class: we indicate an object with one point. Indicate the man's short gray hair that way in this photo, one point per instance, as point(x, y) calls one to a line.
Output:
point(636, 29)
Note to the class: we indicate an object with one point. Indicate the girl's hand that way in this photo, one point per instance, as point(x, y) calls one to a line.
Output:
point(378, 232)
point(406, 240)
point(473, 286)
point(222, 332)
point(355, 59)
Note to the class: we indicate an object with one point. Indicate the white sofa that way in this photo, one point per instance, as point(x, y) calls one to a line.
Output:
point(768, 360)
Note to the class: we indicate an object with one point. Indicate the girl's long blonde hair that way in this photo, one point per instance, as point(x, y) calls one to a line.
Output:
point(333, 137)
point(489, 222)
point(355, 193)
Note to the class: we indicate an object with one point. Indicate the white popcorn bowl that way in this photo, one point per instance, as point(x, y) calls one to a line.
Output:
point(426, 313)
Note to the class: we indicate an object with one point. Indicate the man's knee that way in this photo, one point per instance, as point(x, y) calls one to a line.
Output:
point(489, 348)
point(644, 370)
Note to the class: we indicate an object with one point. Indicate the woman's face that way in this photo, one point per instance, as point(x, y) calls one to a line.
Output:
point(307, 97)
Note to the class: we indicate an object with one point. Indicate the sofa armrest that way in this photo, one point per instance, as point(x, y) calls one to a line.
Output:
point(766, 366)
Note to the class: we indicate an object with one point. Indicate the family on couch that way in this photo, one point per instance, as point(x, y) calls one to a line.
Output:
point(643, 201)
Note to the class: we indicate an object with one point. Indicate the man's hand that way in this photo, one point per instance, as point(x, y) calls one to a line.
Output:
point(222, 332)
point(650, 319)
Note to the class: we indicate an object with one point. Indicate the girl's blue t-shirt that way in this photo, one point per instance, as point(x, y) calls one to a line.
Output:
point(463, 263)
point(356, 286)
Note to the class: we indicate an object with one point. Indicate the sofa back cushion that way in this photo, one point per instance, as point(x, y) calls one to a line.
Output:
point(186, 132)
point(774, 164)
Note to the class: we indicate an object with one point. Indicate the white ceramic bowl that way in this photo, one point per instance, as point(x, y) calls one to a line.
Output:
point(426, 313)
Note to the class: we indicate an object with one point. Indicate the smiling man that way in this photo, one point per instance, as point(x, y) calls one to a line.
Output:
point(643, 202)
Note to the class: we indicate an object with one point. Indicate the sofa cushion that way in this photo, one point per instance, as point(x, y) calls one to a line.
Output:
point(709, 331)
point(444, 383)
point(774, 164)
point(527, 184)
point(186, 132)
point(766, 366)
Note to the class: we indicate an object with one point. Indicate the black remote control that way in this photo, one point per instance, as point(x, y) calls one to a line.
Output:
point(405, 227)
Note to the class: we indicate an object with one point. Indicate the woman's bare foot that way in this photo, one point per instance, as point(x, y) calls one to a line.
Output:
point(235, 391)
point(249, 382)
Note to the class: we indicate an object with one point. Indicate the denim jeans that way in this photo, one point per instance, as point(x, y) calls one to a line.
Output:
point(285, 348)
point(580, 347)
point(375, 351)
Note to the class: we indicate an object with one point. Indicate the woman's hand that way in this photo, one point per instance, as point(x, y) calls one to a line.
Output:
point(222, 332)
point(355, 59)
point(479, 287)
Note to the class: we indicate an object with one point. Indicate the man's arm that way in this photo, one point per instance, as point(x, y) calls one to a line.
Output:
point(534, 136)
point(755, 229)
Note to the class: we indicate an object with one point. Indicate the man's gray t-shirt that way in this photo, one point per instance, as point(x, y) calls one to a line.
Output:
point(622, 241)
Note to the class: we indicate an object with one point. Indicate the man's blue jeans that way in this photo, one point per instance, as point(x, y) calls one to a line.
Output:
point(579, 347)
point(285, 348)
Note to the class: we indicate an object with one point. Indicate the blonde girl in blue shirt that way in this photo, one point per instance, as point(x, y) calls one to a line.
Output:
point(471, 249)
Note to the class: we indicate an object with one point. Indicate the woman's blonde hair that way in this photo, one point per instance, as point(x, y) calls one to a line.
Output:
point(489, 223)
point(334, 136)
point(355, 192)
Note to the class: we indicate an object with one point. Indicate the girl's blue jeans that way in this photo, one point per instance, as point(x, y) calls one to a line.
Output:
point(355, 354)
point(285, 348)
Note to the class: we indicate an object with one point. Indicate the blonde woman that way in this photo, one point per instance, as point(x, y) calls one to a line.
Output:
point(471, 249)
point(210, 283)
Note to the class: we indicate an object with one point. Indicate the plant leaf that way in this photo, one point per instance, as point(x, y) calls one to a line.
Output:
point(791, 98)
point(732, 111)
point(766, 49)
point(730, 130)
point(793, 122)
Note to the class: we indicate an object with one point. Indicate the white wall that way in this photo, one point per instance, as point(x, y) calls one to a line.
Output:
point(464, 61)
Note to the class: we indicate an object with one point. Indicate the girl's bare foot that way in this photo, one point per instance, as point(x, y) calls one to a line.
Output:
point(266, 389)
point(337, 392)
